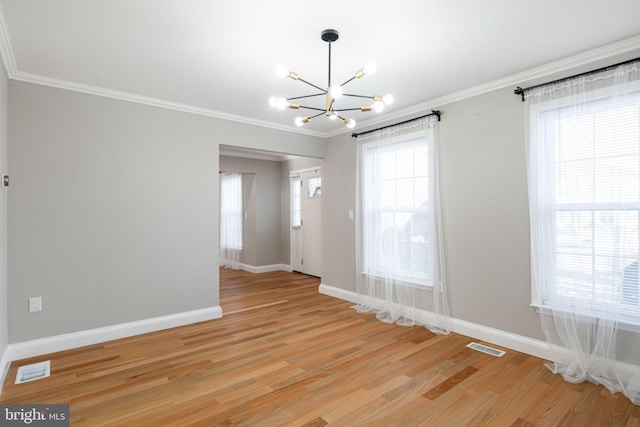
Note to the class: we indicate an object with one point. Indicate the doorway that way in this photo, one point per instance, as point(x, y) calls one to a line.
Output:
point(306, 218)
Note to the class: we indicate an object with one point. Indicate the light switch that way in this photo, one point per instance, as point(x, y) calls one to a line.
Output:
point(350, 214)
point(35, 304)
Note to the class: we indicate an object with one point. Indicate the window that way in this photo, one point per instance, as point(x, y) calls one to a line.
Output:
point(396, 210)
point(296, 184)
point(585, 198)
point(399, 243)
point(231, 211)
point(315, 187)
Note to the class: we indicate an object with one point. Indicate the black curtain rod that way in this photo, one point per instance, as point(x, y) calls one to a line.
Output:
point(520, 91)
point(432, 113)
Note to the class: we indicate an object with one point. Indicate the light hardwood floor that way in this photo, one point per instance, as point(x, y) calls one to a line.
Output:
point(285, 355)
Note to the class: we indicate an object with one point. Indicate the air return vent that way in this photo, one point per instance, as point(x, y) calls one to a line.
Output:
point(33, 372)
point(485, 349)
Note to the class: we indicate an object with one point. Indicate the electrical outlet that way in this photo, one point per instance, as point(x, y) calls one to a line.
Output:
point(35, 304)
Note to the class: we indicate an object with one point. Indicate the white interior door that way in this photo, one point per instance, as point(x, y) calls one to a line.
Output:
point(311, 197)
point(306, 196)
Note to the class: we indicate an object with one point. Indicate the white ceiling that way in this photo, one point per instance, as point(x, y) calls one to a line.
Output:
point(218, 57)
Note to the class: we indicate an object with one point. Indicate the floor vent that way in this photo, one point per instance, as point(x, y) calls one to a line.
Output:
point(33, 372)
point(485, 349)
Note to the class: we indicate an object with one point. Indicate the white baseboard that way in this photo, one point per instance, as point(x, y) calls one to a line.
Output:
point(4, 367)
point(498, 337)
point(256, 269)
point(260, 268)
point(286, 267)
point(340, 293)
point(526, 345)
point(269, 268)
point(55, 343)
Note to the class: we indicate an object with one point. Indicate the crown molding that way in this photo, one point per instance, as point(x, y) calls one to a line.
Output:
point(252, 154)
point(5, 48)
point(587, 57)
point(155, 102)
point(13, 73)
point(542, 71)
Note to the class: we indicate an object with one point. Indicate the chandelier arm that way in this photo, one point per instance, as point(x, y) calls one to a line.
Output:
point(313, 108)
point(348, 109)
point(358, 96)
point(312, 85)
point(317, 115)
point(305, 96)
point(348, 81)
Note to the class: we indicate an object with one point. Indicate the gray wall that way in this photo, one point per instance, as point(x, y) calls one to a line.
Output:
point(113, 209)
point(264, 216)
point(4, 328)
point(262, 244)
point(486, 212)
point(485, 209)
point(338, 197)
point(249, 224)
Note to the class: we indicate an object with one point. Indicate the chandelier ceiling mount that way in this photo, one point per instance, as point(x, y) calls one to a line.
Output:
point(331, 93)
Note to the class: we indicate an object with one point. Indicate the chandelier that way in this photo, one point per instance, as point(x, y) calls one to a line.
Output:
point(331, 93)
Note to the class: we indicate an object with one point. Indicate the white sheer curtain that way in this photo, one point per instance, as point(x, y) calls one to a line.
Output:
point(399, 245)
point(230, 219)
point(584, 195)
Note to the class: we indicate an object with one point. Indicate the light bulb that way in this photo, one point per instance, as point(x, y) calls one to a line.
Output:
point(387, 99)
point(333, 116)
point(349, 122)
point(273, 101)
point(335, 91)
point(282, 103)
point(299, 121)
point(282, 71)
point(369, 67)
point(378, 106)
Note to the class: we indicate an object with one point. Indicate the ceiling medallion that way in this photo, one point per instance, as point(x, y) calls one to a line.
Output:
point(331, 93)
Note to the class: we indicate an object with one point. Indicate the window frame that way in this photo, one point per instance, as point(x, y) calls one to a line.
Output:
point(540, 297)
point(411, 277)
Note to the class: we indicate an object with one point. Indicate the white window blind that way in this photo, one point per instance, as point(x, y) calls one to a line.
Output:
point(231, 211)
point(296, 186)
point(585, 198)
point(396, 210)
